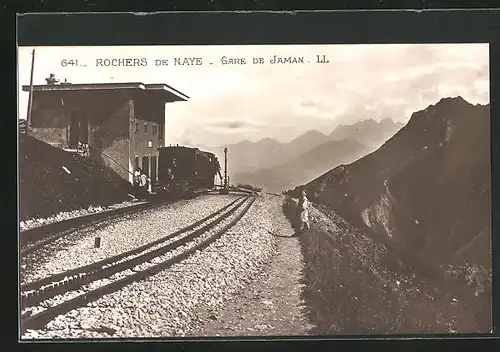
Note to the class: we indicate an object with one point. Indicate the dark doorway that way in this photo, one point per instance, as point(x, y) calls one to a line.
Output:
point(153, 169)
point(78, 128)
point(136, 163)
point(145, 165)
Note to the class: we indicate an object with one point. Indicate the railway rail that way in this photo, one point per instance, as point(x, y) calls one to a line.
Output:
point(114, 273)
point(33, 239)
point(37, 284)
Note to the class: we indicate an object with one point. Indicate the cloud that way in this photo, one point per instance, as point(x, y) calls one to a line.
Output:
point(236, 125)
point(318, 105)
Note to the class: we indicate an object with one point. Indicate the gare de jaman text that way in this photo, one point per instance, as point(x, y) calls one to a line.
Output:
point(198, 61)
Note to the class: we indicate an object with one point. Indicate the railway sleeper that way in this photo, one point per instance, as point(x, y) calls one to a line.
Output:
point(55, 288)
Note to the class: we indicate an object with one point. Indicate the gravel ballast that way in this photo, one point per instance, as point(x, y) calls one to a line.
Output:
point(66, 215)
point(129, 232)
point(177, 301)
point(140, 266)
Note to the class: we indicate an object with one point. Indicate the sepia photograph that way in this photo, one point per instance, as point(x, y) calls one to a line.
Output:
point(182, 191)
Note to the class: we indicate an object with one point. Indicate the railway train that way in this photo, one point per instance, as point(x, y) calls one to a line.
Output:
point(184, 171)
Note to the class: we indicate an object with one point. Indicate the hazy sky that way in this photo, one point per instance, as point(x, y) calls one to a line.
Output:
point(229, 103)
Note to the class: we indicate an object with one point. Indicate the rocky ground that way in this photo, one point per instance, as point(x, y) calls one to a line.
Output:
point(356, 285)
point(65, 215)
point(53, 181)
point(251, 267)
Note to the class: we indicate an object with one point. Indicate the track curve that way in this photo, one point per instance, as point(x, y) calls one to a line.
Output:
point(73, 279)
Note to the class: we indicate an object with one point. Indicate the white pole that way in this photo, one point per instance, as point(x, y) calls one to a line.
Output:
point(30, 102)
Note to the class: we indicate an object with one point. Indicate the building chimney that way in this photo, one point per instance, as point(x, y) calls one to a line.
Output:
point(52, 79)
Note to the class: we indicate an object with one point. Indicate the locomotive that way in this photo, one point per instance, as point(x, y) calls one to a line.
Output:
point(184, 171)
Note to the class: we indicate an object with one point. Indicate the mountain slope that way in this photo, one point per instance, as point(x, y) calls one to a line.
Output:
point(246, 156)
point(368, 132)
point(52, 180)
point(357, 284)
point(302, 144)
point(427, 187)
point(304, 167)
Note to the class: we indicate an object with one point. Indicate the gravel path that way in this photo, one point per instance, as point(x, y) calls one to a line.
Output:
point(180, 300)
point(130, 232)
point(272, 304)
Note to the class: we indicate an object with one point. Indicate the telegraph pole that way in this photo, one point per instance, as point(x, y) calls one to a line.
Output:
point(225, 168)
point(30, 101)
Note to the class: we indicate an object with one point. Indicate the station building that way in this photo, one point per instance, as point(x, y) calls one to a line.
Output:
point(119, 124)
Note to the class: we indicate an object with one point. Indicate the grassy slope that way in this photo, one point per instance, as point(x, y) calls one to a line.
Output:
point(351, 286)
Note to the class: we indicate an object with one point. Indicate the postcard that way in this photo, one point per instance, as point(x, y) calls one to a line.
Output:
point(296, 190)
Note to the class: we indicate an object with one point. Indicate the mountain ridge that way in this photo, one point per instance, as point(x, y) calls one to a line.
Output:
point(304, 166)
point(247, 156)
point(383, 121)
point(412, 187)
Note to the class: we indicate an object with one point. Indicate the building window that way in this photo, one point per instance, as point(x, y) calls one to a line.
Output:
point(155, 129)
point(145, 127)
point(160, 131)
point(136, 164)
point(136, 127)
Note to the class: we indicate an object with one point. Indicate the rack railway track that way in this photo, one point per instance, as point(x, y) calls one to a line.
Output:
point(37, 284)
point(127, 267)
point(35, 238)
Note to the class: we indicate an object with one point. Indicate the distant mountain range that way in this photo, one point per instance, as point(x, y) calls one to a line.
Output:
point(259, 163)
point(428, 187)
point(368, 132)
point(303, 167)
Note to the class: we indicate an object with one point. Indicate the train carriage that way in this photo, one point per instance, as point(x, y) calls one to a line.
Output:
point(183, 171)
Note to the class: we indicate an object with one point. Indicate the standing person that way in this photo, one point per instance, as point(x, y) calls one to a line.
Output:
point(137, 181)
point(140, 183)
point(303, 212)
point(170, 174)
point(144, 182)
